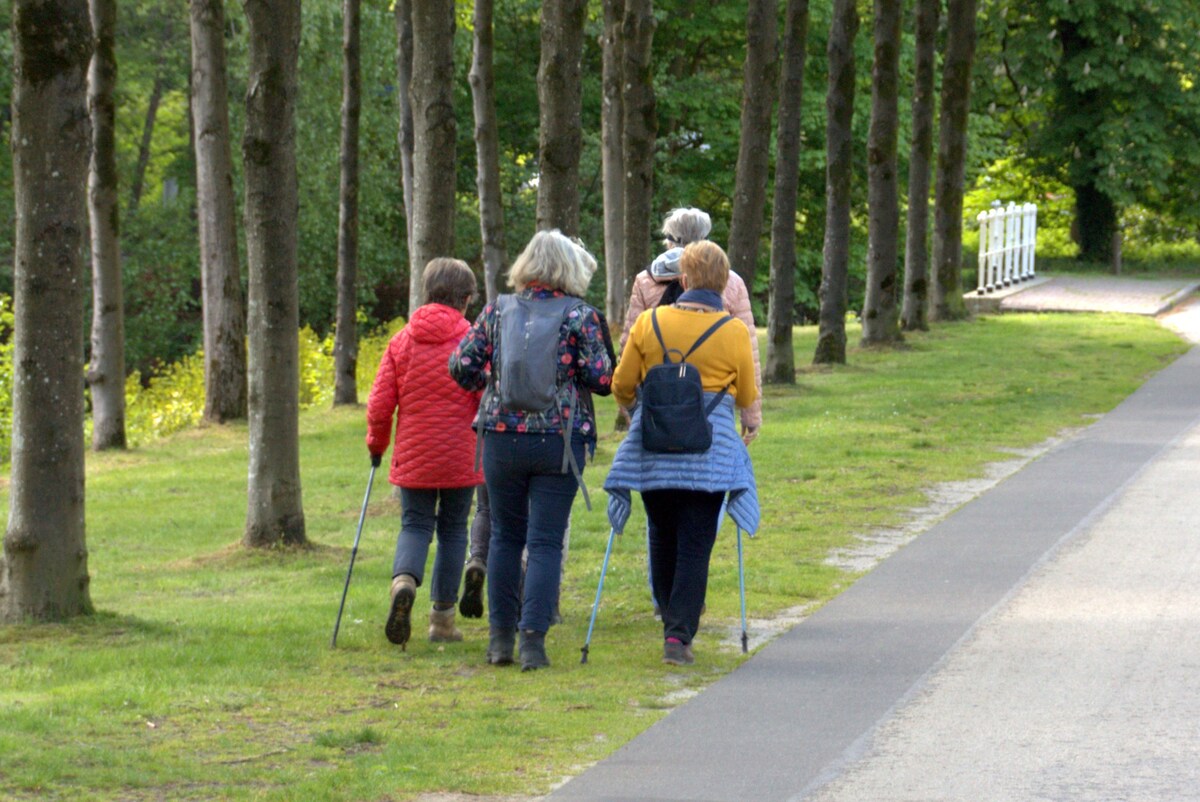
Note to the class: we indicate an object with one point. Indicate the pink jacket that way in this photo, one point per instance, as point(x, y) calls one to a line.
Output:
point(434, 441)
point(647, 291)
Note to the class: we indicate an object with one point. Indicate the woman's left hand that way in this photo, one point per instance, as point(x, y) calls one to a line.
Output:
point(749, 433)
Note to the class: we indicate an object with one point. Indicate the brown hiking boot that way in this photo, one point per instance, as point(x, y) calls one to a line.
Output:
point(441, 626)
point(398, 627)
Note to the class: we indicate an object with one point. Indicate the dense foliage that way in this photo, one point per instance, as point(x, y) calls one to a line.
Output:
point(1022, 139)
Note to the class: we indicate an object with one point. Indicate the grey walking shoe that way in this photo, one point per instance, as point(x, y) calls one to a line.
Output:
point(500, 646)
point(533, 650)
point(676, 653)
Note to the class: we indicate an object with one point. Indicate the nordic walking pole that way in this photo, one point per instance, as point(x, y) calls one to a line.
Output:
point(599, 589)
point(742, 591)
point(353, 552)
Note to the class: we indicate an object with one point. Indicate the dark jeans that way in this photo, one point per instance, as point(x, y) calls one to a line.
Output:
point(442, 510)
point(531, 505)
point(683, 529)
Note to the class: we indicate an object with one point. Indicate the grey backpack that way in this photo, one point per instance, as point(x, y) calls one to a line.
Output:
point(526, 352)
point(525, 365)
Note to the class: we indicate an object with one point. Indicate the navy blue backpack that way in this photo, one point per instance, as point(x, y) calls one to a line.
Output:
point(674, 415)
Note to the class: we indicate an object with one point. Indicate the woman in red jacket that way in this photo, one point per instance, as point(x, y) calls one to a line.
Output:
point(433, 461)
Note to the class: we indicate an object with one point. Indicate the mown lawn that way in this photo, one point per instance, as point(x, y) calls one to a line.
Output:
point(207, 672)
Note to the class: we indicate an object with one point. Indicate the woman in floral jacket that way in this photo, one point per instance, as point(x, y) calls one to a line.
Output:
point(523, 457)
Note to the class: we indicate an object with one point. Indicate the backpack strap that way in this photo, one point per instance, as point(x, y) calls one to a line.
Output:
point(666, 351)
point(707, 333)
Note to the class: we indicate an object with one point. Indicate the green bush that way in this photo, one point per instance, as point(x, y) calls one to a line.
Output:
point(173, 399)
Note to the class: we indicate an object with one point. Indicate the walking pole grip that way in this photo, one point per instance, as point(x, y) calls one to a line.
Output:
point(362, 516)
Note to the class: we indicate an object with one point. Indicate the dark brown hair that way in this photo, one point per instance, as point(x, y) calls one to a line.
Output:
point(448, 281)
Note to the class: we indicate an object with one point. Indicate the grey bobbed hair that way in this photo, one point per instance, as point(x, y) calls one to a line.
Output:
point(685, 226)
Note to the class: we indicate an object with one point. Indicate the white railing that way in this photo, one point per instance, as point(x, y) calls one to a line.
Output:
point(1007, 241)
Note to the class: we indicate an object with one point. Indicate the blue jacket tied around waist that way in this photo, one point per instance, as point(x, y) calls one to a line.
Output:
point(724, 468)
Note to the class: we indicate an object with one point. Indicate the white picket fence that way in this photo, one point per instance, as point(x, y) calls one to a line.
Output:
point(1007, 241)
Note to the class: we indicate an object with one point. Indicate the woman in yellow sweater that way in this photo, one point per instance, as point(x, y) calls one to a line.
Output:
point(682, 493)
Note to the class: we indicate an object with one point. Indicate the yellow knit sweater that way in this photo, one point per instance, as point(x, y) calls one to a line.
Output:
point(725, 358)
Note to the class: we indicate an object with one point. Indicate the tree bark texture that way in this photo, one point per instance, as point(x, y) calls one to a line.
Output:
point(638, 131)
point(947, 302)
point(434, 128)
point(106, 370)
point(613, 164)
point(487, 150)
point(345, 343)
point(143, 161)
point(881, 313)
point(404, 53)
point(839, 169)
point(272, 203)
point(914, 315)
point(754, 148)
point(43, 574)
point(560, 132)
point(220, 270)
point(781, 363)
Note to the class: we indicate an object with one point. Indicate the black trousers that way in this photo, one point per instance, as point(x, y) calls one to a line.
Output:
point(683, 529)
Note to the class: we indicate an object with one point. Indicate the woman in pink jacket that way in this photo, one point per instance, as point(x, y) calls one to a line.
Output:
point(659, 284)
point(433, 461)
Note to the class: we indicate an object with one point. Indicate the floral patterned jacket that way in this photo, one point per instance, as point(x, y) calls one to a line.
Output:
point(582, 360)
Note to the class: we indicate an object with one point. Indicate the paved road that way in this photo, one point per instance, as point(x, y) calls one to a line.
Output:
point(1042, 642)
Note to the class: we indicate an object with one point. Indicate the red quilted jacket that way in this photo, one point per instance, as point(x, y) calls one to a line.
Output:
point(435, 444)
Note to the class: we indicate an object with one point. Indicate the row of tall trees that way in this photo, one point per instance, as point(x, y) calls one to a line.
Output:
point(639, 141)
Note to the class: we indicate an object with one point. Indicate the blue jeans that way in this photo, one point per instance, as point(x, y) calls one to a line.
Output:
point(683, 529)
point(425, 511)
point(531, 505)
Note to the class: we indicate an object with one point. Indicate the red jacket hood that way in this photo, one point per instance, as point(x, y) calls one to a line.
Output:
point(436, 323)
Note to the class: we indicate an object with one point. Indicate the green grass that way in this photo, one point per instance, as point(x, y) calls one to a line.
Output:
point(207, 672)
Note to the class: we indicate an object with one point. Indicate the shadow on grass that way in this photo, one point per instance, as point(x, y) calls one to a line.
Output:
point(100, 629)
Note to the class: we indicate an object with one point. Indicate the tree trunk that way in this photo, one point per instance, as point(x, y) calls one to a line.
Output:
point(220, 270)
point(487, 151)
point(951, 161)
point(43, 574)
point(915, 313)
point(345, 345)
point(754, 148)
point(404, 64)
point(639, 127)
point(781, 363)
point(106, 371)
point(269, 158)
point(432, 96)
point(839, 170)
point(1096, 219)
point(613, 165)
point(143, 161)
point(560, 132)
point(881, 320)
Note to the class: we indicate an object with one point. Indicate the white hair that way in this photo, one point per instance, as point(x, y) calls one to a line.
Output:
point(554, 260)
point(685, 226)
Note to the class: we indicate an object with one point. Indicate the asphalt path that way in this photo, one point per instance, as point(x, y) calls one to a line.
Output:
point(1041, 642)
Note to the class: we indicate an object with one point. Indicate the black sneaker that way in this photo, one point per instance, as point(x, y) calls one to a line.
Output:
point(471, 604)
point(677, 654)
